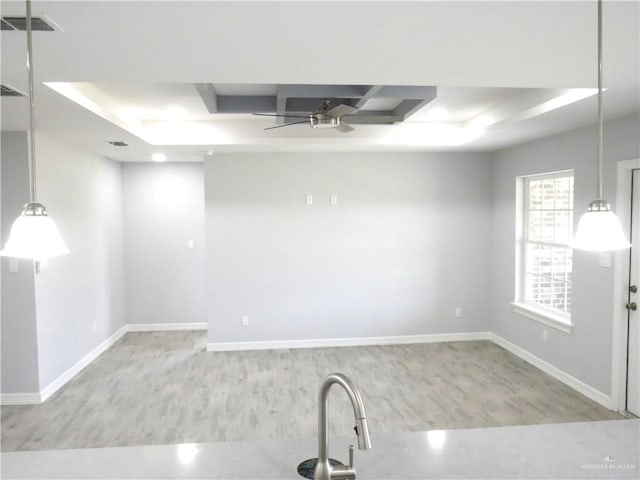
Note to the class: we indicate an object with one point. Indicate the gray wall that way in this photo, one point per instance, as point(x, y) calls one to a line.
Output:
point(412, 237)
point(164, 210)
point(79, 297)
point(18, 328)
point(586, 352)
point(406, 244)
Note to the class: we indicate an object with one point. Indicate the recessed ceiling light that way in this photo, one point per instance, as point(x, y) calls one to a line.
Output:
point(158, 157)
point(208, 152)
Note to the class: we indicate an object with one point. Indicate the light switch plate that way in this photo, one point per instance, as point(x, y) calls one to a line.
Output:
point(604, 259)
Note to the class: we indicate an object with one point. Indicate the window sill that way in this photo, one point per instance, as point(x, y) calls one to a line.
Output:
point(549, 319)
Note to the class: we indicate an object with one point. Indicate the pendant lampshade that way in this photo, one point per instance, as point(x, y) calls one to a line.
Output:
point(33, 234)
point(599, 229)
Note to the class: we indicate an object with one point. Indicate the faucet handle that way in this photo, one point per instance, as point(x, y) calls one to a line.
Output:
point(352, 450)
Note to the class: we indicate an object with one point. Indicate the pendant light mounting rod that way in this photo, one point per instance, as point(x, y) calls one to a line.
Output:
point(599, 229)
point(600, 121)
point(34, 235)
point(31, 131)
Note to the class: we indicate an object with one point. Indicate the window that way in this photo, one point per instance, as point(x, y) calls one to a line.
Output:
point(543, 286)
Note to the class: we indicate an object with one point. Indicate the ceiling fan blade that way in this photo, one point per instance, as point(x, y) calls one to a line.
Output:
point(277, 115)
point(342, 109)
point(344, 128)
point(286, 125)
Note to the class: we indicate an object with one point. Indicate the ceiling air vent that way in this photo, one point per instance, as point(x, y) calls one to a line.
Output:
point(11, 92)
point(118, 143)
point(38, 24)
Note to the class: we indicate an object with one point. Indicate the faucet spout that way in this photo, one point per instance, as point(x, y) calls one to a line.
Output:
point(323, 470)
point(362, 430)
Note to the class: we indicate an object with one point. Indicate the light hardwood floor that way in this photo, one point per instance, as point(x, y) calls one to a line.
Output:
point(164, 388)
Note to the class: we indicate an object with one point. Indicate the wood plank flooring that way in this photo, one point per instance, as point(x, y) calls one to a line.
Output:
point(164, 388)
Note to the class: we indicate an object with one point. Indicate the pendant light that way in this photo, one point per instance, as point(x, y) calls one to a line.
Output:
point(33, 234)
point(599, 229)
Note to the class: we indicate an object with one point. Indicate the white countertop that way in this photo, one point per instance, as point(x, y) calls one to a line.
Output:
point(571, 450)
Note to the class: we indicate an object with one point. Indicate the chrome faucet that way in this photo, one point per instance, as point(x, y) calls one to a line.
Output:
point(323, 470)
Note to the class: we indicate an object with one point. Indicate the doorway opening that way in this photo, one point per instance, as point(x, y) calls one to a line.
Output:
point(626, 331)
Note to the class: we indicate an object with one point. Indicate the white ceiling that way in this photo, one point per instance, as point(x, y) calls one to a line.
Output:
point(504, 59)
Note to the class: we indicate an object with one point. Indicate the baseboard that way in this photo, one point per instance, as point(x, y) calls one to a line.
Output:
point(165, 327)
point(54, 386)
point(569, 380)
point(19, 398)
point(581, 387)
point(347, 342)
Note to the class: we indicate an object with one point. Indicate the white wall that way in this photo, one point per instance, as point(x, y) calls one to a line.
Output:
point(164, 210)
point(19, 347)
point(406, 244)
point(585, 353)
point(79, 297)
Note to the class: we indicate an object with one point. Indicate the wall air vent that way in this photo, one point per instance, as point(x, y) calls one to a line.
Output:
point(38, 24)
point(11, 92)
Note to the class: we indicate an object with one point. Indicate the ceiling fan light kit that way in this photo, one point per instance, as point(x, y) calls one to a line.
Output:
point(324, 121)
point(323, 117)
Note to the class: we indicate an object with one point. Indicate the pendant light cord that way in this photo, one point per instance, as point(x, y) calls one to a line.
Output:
point(31, 131)
point(600, 122)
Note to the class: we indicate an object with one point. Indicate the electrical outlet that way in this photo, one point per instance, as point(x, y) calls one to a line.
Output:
point(334, 199)
point(309, 199)
point(13, 265)
point(458, 312)
point(245, 320)
point(189, 243)
point(545, 335)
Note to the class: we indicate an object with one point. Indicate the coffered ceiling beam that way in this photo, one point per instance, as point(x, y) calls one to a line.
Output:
point(209, 97)
point(406, 108)
point(403, 91)
point(296, 99)
point(322, 91)
point(246, 103)
point(370, 92)
point(370, 118)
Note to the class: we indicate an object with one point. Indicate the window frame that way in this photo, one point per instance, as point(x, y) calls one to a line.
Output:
point(534, 311)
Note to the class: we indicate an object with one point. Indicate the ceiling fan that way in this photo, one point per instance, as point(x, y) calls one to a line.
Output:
point(324, 116)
